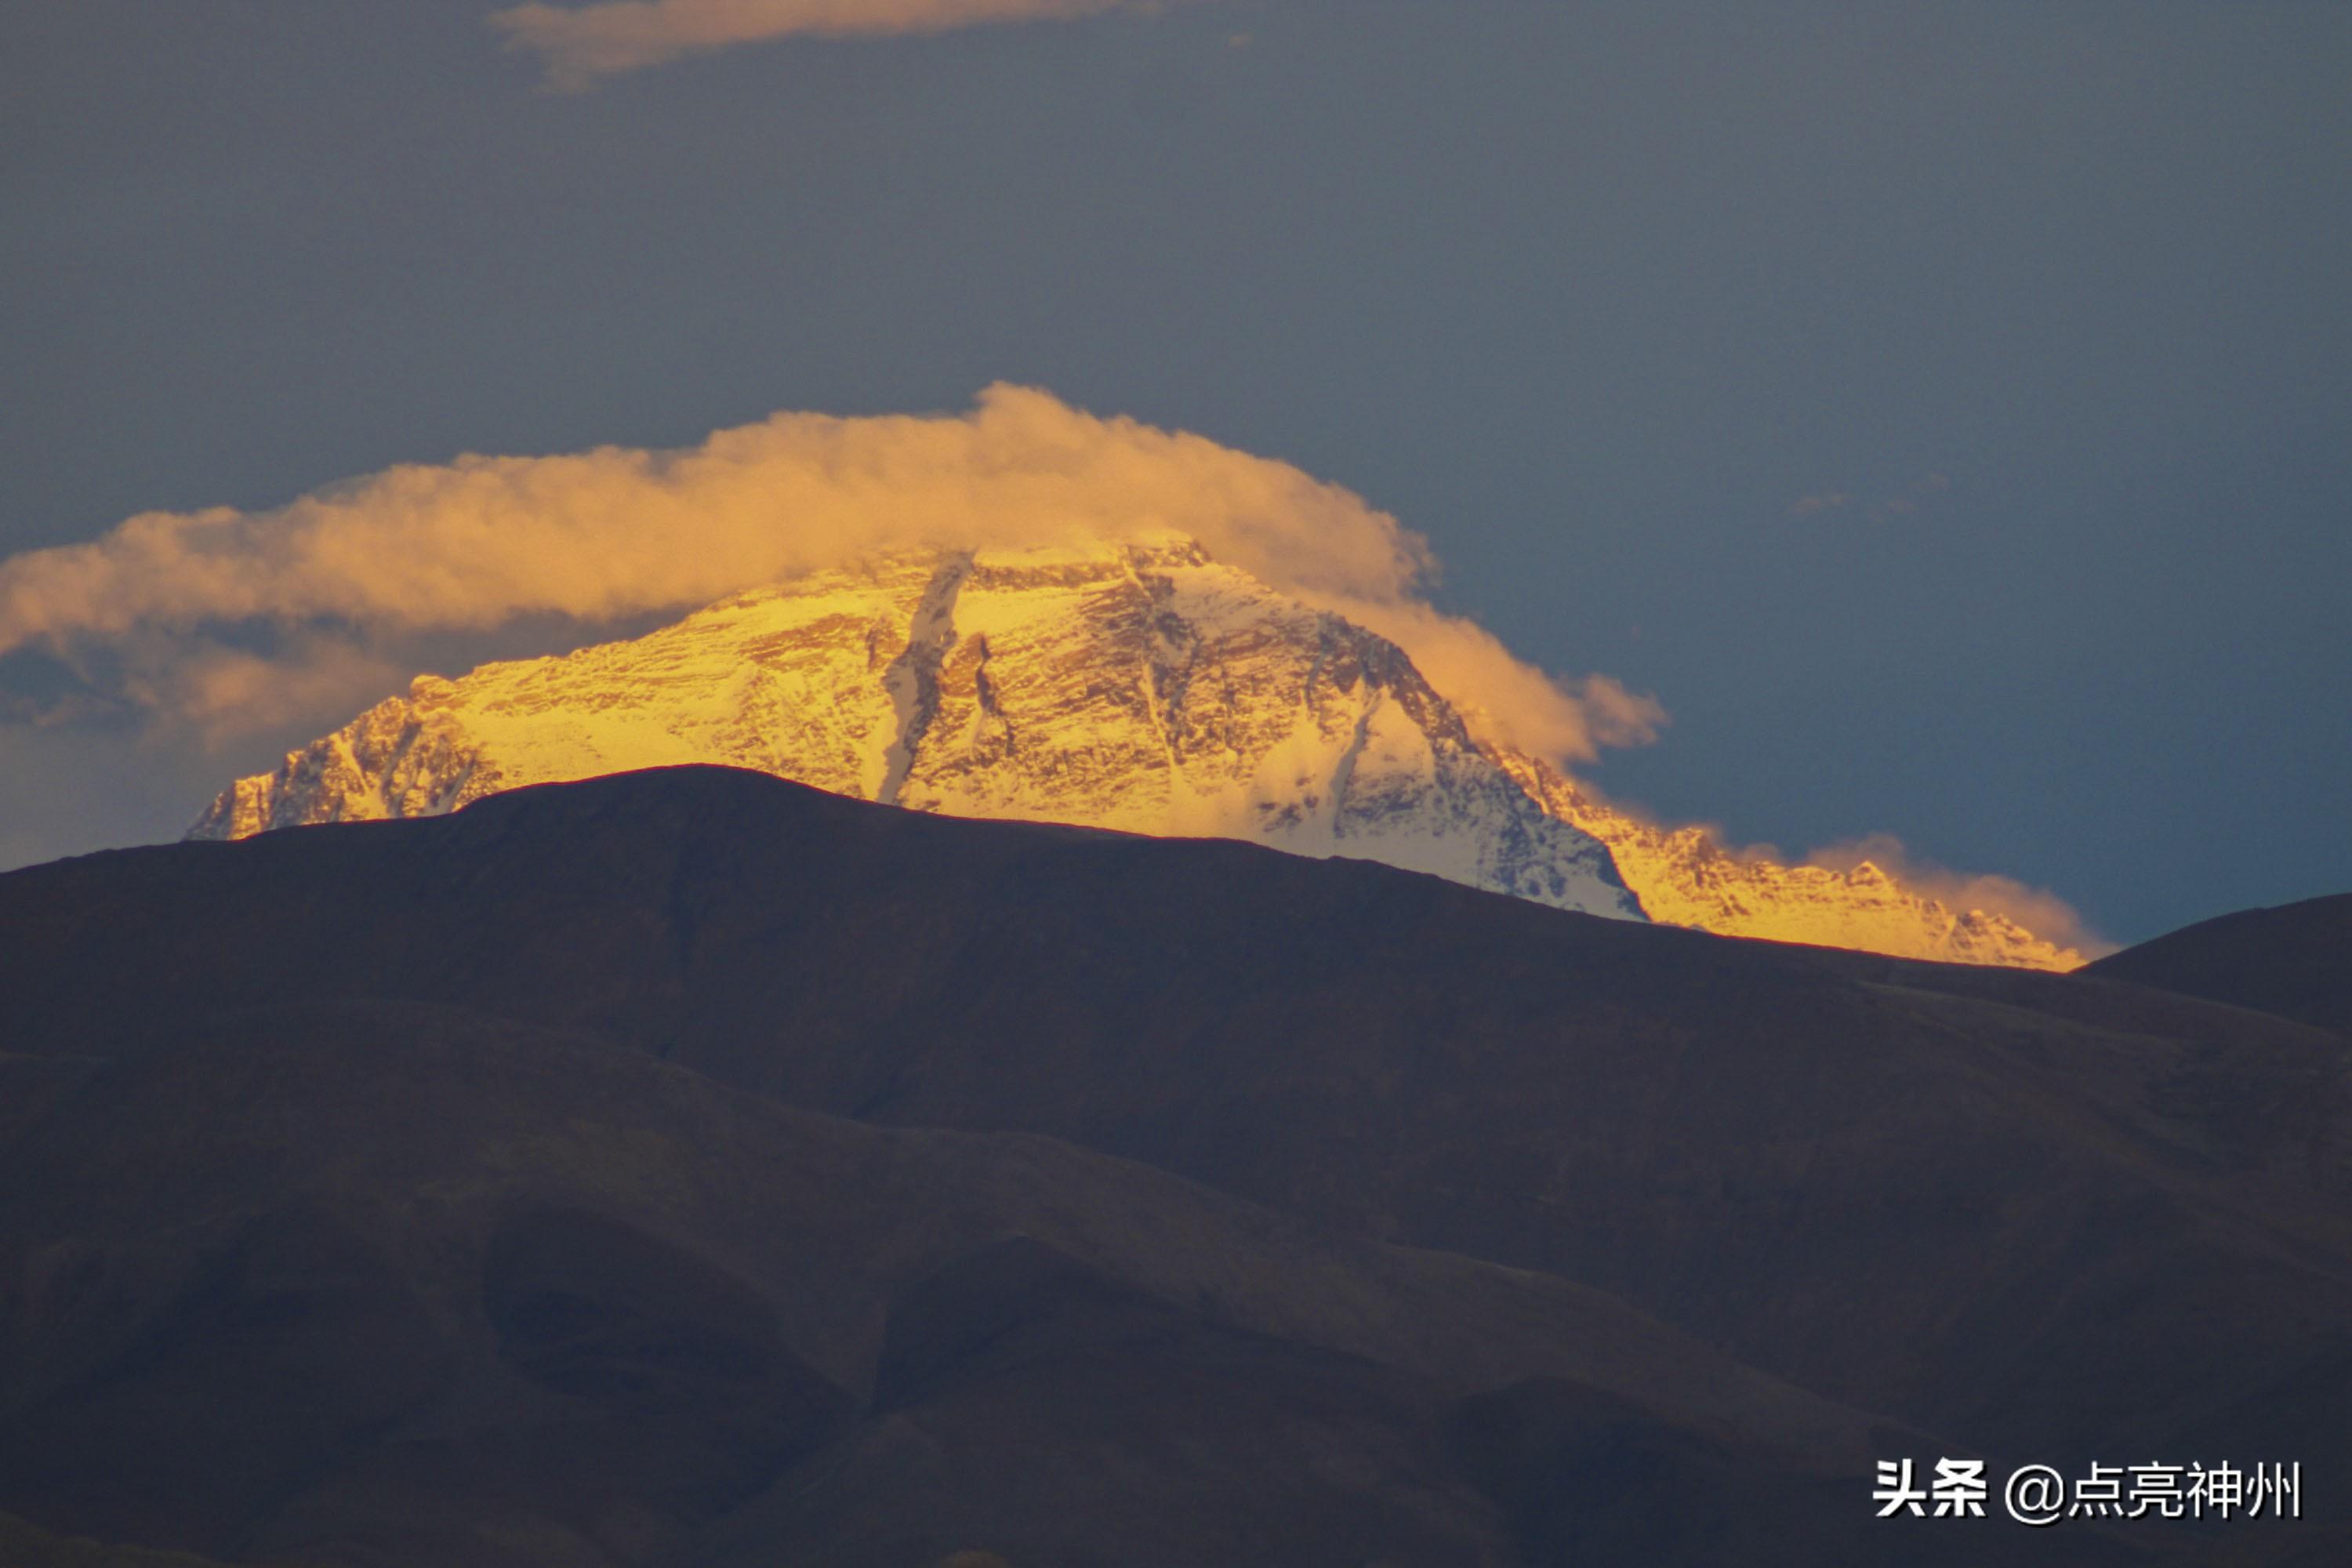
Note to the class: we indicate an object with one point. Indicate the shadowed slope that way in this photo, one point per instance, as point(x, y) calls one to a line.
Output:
point(2294, 961)
point(2052, 1217)
point(375, 1282)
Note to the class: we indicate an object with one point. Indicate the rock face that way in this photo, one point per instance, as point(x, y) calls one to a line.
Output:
point(1143, 688)
point(1683, 876)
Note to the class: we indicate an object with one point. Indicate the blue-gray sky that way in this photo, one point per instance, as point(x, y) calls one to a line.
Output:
point(1943, 410)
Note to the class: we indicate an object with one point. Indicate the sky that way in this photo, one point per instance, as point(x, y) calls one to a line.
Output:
point(1943, 412)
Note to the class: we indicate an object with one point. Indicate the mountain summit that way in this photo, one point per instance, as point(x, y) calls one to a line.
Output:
point(1138, 686)
point(1142, 687)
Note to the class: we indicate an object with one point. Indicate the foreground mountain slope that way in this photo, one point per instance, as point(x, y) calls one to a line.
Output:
point(2040, 1213)
point(23, 1545)
point(1144, 688)
point(2294, 961)
point(373, 1282)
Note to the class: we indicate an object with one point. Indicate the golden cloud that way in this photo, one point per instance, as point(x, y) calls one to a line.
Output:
point(596, 537)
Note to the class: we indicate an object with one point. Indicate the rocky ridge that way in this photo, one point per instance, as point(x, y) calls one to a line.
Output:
point(1685, 876)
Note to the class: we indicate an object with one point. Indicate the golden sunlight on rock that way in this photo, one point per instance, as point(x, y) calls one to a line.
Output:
point(1683, 876)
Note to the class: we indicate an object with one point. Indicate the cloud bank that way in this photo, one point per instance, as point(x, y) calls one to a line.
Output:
point(223, 617)
point(583, 45)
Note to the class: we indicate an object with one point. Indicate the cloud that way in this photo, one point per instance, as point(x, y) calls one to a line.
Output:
point(221, 694)
point(580, 45)
point(1912, 500)
point(191, 612)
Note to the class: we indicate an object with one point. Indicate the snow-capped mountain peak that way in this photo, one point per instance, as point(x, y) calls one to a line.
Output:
point(1139, 686)
point(1144, 687)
